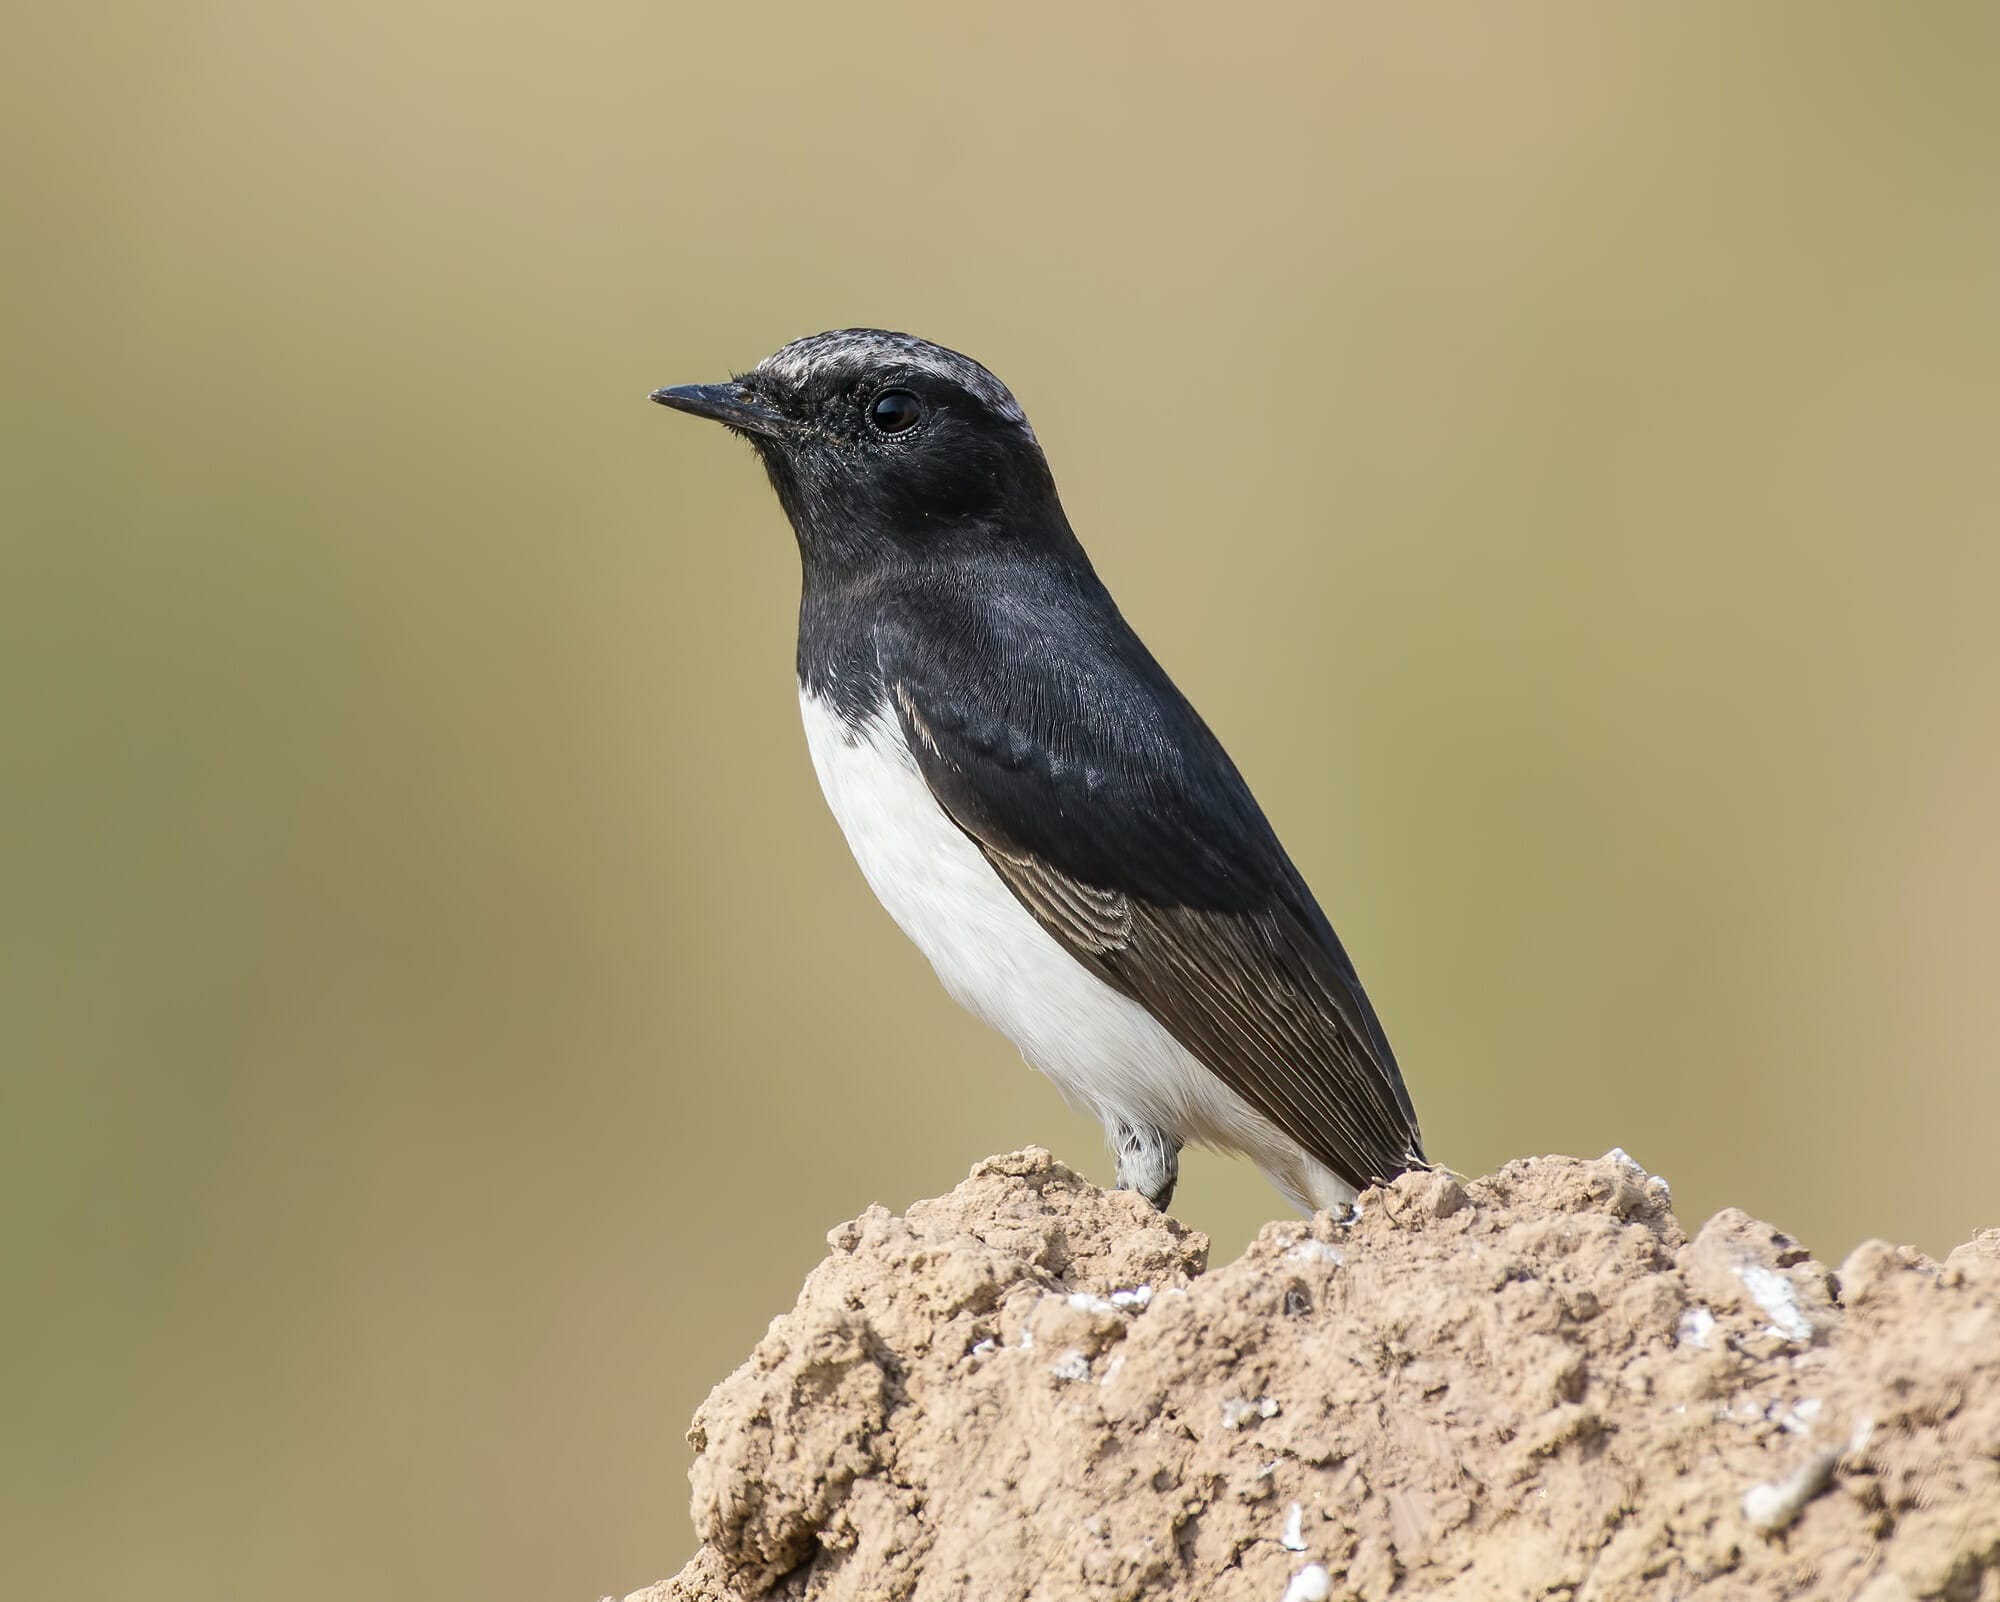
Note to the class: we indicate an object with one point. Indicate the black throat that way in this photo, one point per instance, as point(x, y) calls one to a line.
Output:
point(883, 572)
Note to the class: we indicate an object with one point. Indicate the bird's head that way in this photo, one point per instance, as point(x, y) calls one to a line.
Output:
point(883, 446)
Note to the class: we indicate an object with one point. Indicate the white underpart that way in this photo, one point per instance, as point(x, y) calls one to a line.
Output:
point(1106, 1054)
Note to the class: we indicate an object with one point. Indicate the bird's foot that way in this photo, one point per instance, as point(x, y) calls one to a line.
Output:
point(1149, 1160)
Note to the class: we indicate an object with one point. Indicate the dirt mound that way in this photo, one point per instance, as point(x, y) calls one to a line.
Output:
point(1526, 1385)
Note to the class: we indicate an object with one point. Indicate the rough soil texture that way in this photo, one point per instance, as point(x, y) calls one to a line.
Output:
point(1528, 1385)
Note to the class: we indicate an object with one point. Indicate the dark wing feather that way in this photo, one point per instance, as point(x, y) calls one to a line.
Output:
point(1115, 818)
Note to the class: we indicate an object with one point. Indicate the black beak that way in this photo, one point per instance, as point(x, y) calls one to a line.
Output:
point(734, 404)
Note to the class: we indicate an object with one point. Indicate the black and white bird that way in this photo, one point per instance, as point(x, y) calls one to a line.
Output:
point(1033, 800)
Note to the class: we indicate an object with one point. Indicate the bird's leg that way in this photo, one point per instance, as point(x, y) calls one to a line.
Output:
point(1149, 1160)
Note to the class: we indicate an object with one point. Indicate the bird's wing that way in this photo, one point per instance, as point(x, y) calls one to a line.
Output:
point(1116, 819)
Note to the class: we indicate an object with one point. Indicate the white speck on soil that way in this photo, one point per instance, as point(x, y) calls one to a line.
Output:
point(1072, 1365)
point(1695, 1327)
point(1773, 1292)
point(1235, 1410)
point(1311, 1584)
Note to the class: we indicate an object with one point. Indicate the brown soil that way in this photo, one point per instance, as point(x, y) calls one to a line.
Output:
point(1527, 1385)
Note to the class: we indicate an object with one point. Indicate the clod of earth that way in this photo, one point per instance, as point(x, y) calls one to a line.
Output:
point(1527, 1385)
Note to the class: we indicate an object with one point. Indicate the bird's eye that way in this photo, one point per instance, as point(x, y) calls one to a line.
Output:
point(895, 410)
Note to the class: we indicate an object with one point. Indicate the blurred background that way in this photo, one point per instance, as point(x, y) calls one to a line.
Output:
point(1554, 447)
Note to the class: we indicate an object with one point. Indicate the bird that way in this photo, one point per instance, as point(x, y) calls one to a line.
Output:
point(1031, 797)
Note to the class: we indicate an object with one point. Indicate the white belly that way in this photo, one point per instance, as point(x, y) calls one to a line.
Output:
point(1106, 1054)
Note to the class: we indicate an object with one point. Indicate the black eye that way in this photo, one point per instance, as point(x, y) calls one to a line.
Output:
point(895, 410)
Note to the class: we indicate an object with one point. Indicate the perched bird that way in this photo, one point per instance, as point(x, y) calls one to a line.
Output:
point(1033, 800)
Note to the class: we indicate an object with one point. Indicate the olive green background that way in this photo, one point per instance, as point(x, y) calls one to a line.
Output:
point(1554, 446)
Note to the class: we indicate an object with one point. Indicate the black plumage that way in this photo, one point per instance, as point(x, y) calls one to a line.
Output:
point(943, 581)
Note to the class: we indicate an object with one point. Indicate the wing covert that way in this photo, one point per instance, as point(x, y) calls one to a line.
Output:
point(1180, 898)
